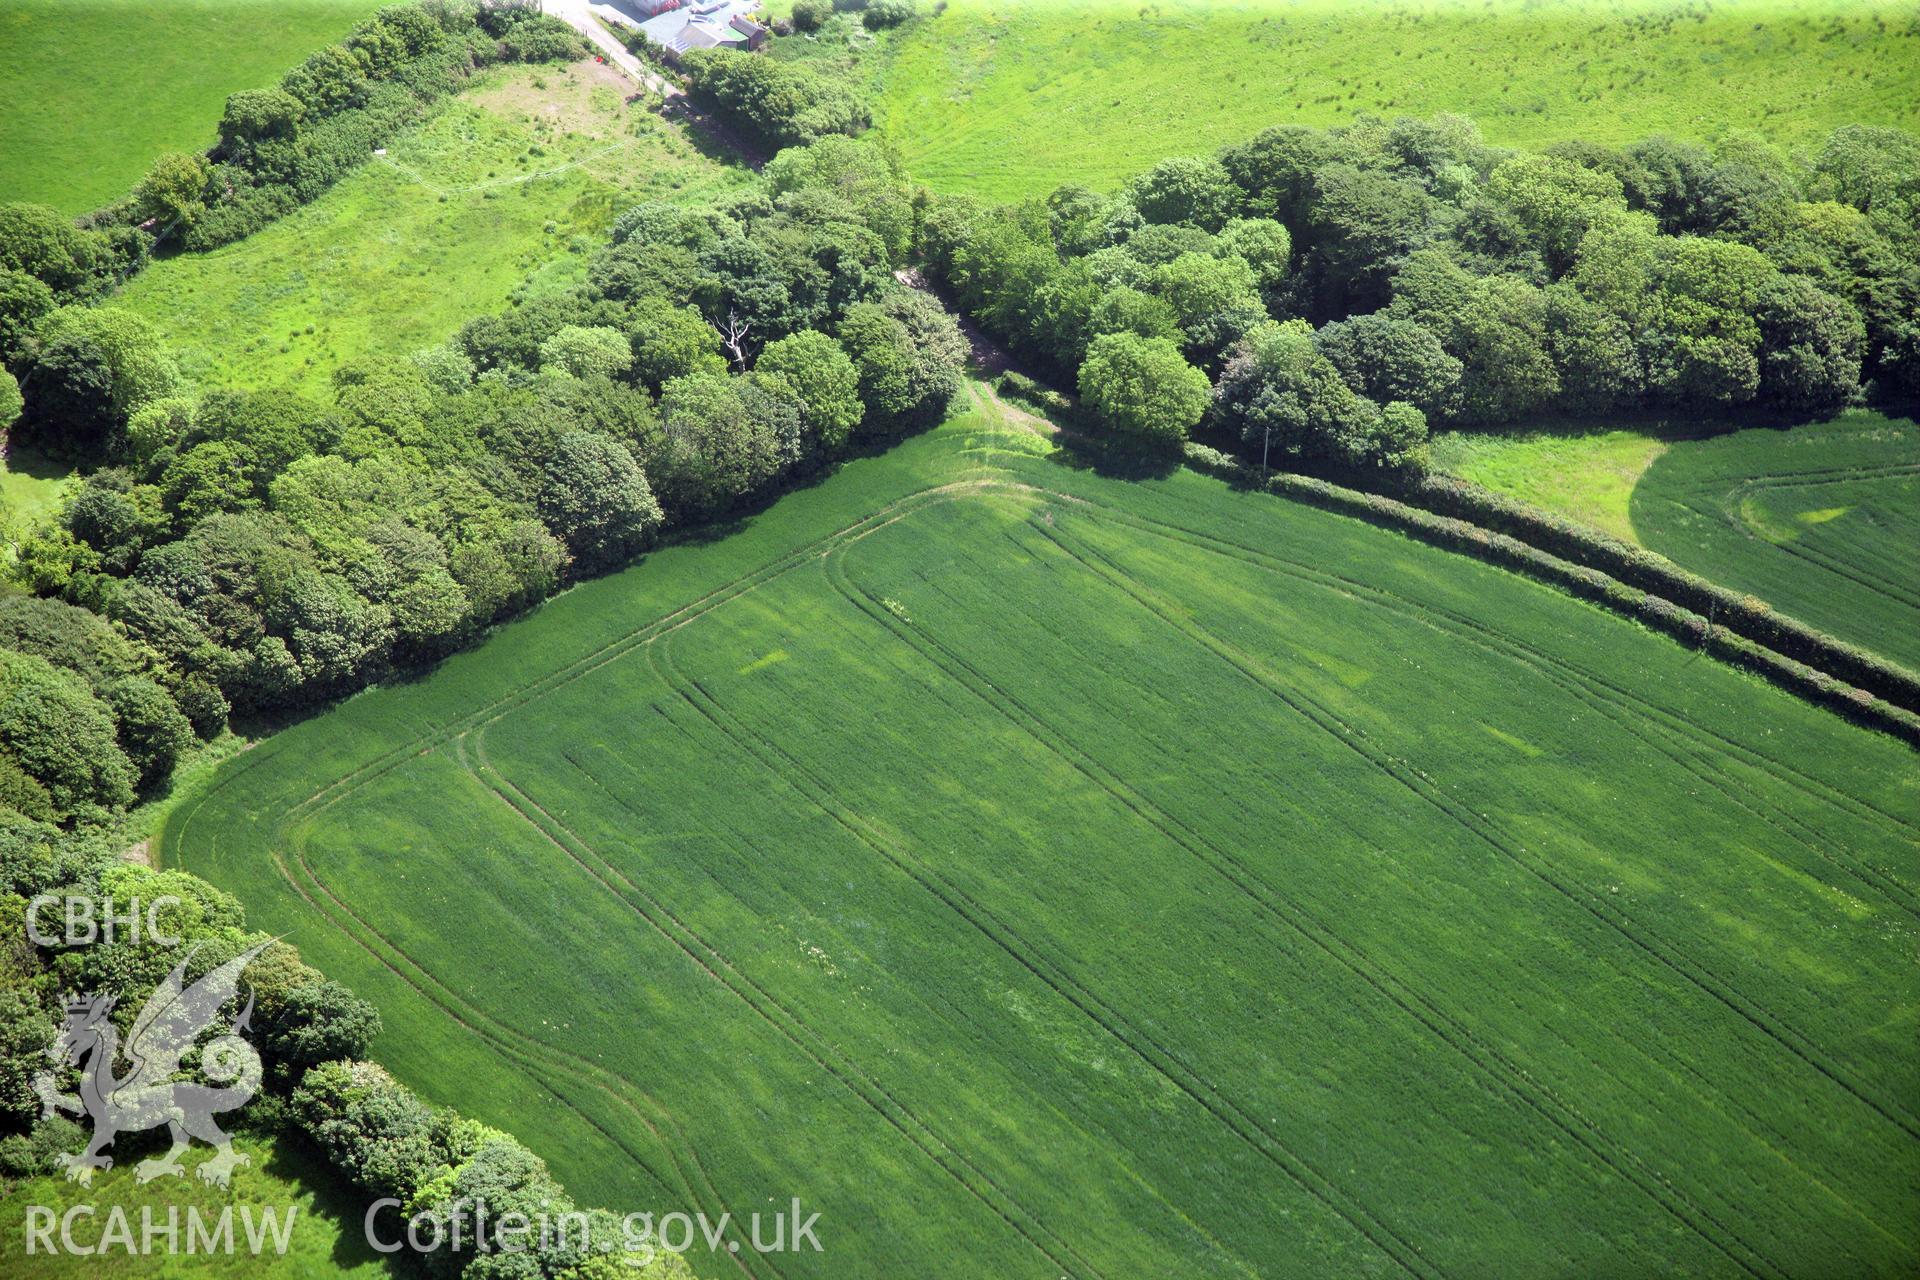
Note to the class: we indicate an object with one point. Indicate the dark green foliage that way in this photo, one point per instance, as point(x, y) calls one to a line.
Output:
point(862, 180)
point(316, 1022)
point(93, 367)
point(371, 1128)
point(827, 383)
point(1385, 358)
point(877, 15)
point(1195, 190)
point(37, 241)
point(10, 401)
point(1473, 285)
point(1279, 392)
point(1142, 388)
point(671, 342)
point(25, 1032)
point(1811, 345)
point(24, 300)
point(62, 736)
point(153, 731)
point(909, 354)
point(596, 500)
point(720, 444)
point(779, 104)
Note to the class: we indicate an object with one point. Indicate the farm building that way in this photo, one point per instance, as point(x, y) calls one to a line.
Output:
point(677, 27)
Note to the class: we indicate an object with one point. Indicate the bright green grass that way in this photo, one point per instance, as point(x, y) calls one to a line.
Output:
point(1822, 522)
point(1586, 474)
point(30, 488)
point(327, 1239)
point(1008, 98)
point(507, 187)
point(1041, 874)
point(91, 93)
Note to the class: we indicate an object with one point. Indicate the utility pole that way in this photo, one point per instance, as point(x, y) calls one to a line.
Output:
point(1266, 439)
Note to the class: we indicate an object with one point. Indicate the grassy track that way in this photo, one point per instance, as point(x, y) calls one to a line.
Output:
point(816, 861)
point(1008, 98)
point(91, 93)
point(505, 189)
point(1822, 522)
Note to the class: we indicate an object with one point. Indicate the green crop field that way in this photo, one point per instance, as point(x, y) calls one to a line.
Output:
point(92, 92)
point(1044, 874)
point(1822, 522)
point(506, 188)
point(1009, 98)
point(325, 1242)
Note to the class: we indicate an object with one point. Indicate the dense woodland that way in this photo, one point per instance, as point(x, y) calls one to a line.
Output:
point(1330, 295)
point(1336, 293)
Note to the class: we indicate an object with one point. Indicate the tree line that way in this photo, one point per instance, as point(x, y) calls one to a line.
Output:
point(247, 552)
point(311, 1035)
point(1334, 294)
point(263, 550)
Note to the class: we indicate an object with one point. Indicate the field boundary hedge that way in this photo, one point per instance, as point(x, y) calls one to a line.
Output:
point(1650, 571)
point(1623, 595)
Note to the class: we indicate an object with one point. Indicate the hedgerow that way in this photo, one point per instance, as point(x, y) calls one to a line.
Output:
point(1832, 682)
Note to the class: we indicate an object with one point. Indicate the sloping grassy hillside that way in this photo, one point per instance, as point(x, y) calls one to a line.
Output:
point(1822, 522)
point(508, 186)
point(92, 92)
point(1009, 98)
point(1040, 874)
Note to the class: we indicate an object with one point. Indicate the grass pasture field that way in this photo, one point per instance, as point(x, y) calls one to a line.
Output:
point(1009, 98)
point(1821, 521)
point(324, 1243)
point(1577, 471)
point(505, 189)
point(91, 93)
point(1056, 875)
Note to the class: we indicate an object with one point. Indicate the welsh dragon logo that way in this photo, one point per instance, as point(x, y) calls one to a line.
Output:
point(149, 1094)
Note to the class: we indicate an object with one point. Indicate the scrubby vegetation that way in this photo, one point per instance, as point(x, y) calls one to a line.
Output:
point(502, 193)
point(778, 104)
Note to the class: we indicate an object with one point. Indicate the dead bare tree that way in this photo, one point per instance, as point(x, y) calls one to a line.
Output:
point(733, 335)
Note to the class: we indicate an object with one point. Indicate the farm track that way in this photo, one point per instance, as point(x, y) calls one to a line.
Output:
point(1503, 843)
point(1686, 744)
point(623, 803)
point(1728, 506)
point(791, 771)
point(757, 999)
point(1507, 1076)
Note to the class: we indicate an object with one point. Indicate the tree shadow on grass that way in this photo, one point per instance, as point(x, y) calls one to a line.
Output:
point(293, 1162)
point(27, 460)
point(1116, 461)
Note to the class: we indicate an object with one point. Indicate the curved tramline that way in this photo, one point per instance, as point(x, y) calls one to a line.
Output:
point(1819, 521)
point(1055, 875)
